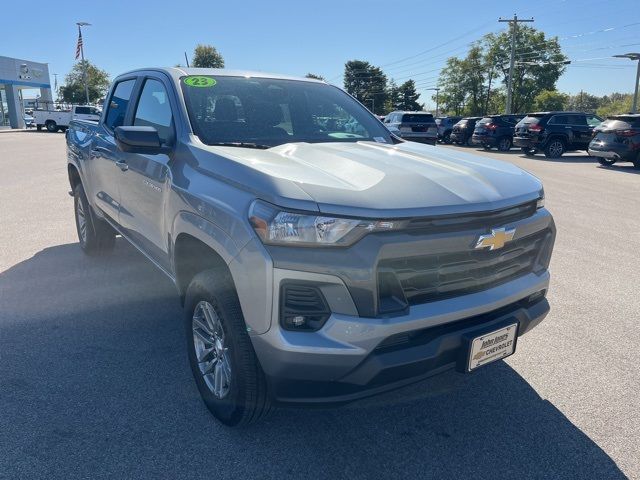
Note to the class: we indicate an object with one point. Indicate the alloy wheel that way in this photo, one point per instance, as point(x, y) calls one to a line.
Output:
point(212, 354)
point(82, 220)
point(556, 148)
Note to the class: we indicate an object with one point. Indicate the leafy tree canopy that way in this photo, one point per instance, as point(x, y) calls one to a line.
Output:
point(73, 89)
point(367, 83)
point(550, 100)
point(206, 56)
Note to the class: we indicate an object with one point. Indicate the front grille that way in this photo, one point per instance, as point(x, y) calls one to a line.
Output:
point(428, 278)
point(472, 221)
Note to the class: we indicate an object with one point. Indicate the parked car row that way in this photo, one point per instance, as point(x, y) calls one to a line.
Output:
point(552, 133)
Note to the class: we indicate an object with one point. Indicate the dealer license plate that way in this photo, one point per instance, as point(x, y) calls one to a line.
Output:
point(492, 346)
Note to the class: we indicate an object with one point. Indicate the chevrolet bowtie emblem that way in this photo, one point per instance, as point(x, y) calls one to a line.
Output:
point(496, 239)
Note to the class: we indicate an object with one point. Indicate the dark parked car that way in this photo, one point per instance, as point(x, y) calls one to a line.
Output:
point(555, 133)
point(617, 139)
point(445, 127)
point(415, 126)
point(496, 131)
point(463, 130)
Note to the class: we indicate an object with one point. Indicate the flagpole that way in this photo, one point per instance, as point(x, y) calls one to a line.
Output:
point(84, 65)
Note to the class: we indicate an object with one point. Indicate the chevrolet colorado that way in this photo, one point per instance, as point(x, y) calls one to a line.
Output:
point(315, 264)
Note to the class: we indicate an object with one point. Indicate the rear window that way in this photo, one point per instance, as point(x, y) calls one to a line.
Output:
point(417, 118)
point(623, 122)
point(484, 121)
point(618, 124)
point(531, 119)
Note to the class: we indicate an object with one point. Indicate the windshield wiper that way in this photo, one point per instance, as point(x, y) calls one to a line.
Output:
point(259, 146)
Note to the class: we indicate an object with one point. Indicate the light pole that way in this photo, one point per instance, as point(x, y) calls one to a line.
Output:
point(84, 65)
point(437, 89)
point(633, 56)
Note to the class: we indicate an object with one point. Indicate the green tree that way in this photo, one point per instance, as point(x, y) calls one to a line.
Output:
point(73, 89)
point(452, 91)
point(550, 100)
point(615, 104)
point(584, 102)
point(393, 97)
point(314, 76)
point(206, 56)
point(407, 96)
point(539, 63)
point(366, 83)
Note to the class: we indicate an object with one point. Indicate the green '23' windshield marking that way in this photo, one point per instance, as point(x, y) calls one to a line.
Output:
point(199, 81)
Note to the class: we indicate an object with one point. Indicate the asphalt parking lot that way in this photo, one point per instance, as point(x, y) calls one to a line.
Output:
point(94, 380)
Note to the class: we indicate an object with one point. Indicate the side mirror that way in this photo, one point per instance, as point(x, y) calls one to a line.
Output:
point(139, 140)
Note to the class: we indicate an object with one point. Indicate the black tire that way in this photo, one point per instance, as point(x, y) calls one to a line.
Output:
point(97, 237)
point(555, 148)
point(51, 126)
point(468, 142)
point(504, 144)
point(486, 147)
point(446, 138)
point(636, 163)
point(529, 152)
point(606, 162)
point(248, 398)
point(39, 127)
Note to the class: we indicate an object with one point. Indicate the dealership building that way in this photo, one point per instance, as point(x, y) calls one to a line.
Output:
point(17, 75)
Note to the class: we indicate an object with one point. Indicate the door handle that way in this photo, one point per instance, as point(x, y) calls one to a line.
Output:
point(122, 165)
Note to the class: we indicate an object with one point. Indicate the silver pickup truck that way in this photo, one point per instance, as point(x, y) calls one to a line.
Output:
point(316, 263)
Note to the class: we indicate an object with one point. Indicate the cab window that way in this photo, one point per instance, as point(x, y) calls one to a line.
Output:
point(154, 110)
point(117, 107)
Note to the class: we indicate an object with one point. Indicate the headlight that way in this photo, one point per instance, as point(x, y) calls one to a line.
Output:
point(540, 203)
point(279, 227)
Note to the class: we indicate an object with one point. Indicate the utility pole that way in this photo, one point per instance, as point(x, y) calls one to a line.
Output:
point(437, 89)
point(513, 23)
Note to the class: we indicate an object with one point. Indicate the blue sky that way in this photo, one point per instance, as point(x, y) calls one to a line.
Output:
point(296, 37)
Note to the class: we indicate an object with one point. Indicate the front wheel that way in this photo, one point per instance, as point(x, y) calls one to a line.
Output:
point(52, 126)
point(223, 362)
point(95, 236)
point(446, 138)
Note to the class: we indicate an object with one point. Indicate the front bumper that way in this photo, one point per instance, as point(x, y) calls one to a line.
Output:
point(353, 357)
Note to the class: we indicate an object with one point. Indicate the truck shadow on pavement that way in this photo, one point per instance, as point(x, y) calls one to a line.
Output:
point(94, 382)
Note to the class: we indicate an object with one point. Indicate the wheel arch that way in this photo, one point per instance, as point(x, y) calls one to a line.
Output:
point(74, 176)
point(198, 245)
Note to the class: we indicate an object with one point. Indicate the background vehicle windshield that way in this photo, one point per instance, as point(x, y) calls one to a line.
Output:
point(272, 112)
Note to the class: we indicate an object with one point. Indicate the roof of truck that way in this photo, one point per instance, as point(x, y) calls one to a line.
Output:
point(178, 72)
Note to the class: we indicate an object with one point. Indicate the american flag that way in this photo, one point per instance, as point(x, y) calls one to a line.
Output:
point(79, 46)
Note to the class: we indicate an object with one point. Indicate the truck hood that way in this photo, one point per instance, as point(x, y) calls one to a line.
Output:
point(379, 180)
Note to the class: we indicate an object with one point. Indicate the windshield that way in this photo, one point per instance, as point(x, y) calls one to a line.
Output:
point(264, 112)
